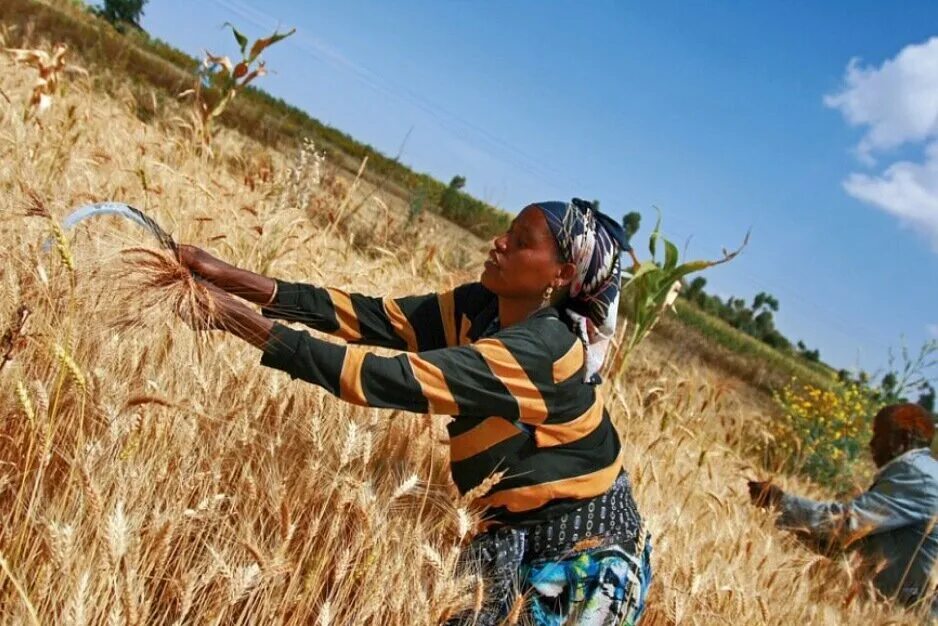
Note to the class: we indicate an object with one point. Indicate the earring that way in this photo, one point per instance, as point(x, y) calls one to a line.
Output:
point(545, 299)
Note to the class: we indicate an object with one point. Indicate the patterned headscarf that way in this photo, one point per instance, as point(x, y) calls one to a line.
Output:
point(592, 242)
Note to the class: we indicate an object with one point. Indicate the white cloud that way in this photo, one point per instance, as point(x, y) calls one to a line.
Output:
point(897, 103)
point(905, 189)
point(932, 330)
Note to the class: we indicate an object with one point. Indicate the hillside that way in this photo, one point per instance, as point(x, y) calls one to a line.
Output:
point(152, 475)
point(150, 74)
point(151, 63)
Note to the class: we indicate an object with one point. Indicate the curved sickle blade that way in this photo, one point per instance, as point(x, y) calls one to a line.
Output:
point(123, 210)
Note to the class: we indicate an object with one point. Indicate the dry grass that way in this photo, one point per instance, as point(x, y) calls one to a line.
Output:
point(140, 484)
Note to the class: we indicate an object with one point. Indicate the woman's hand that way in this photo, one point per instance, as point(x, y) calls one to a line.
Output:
point(199, 262)
point(764, 494)
point(218, 310)
point(206, 309)
point(248, 285)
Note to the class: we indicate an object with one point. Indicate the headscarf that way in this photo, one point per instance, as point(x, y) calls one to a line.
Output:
point(592, 242)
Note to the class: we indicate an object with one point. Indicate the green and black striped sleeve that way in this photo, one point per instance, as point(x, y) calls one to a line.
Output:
point(411, 323)
point(510, 374)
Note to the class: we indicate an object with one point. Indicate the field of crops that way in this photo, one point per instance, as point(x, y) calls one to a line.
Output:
point(255, 113)
point(152, 475)
point(744, 356)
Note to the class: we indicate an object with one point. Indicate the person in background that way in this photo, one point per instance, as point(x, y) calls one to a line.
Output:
point(514, 358)
point(893, 523)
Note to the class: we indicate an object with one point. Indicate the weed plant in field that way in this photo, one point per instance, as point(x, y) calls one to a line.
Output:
point(823, 432)
point(50, 66)
point(228, 79)
point(651, 288)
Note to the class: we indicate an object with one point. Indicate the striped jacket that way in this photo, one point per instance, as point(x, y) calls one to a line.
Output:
point(517, 394)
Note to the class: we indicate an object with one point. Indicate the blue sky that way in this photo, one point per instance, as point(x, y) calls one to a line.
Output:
point(727, 116)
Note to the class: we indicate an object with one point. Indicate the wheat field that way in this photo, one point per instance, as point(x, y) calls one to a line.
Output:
point(153, 475)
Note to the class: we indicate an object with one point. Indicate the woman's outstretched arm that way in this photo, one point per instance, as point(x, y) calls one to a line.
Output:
point(242, 283)
point(510, 376)
point(411, 323)
point(481, 379)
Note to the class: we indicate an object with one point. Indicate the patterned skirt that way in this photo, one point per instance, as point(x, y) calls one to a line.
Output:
point(589, 567)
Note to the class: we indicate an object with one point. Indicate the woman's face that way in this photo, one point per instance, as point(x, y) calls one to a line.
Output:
point(525, 260)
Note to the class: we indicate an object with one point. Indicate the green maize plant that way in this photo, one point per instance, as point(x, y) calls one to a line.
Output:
point(650, 288)
point(220, 80)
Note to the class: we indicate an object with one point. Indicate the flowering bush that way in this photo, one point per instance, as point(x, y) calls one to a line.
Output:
point(824, 431)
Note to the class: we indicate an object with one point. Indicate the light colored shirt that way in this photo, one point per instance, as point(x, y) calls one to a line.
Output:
point(893, 523)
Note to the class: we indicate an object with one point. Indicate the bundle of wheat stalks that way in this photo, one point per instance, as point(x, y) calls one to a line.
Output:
point(142, 485)
point(156, 283)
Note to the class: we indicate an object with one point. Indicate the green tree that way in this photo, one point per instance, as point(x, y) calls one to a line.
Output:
point(888, 387)
point(927, 397)
point(766, 301)
point(122, 13)
point(451, 200)
point(631, 222)
point(777, 340)
point(764, 323)
point(695, 289)
point(810, 355)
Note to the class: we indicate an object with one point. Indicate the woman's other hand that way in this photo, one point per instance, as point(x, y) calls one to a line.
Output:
point(242, 283)
point(198, 261)
point(207, 309)
point(217, 309)
point(764, 494)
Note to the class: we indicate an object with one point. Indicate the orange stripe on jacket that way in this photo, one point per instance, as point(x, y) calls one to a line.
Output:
point(536, 496)
point(547, 435)
point(400, 323)
point(447, 303)
point(570, 363)
point(531, 406)
point(345, 315)
point(433, 386)
point(481, 437)
point(464, 326)
point(350, 380)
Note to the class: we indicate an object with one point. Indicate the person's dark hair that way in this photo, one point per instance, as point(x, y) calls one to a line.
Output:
point(910, 420)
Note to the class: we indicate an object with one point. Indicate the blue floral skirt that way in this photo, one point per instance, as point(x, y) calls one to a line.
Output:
point(565, 573)
point(598, 587)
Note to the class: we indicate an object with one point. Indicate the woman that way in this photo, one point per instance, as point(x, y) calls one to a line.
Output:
point(514, 359)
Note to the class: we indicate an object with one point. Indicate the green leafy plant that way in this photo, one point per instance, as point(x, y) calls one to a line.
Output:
point(652, 286)
point(220, 80)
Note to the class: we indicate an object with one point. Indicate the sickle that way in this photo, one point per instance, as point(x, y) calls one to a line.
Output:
point(123, 210)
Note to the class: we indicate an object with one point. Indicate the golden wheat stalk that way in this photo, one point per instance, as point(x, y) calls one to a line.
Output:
point(74, 372)
point(25, 403)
